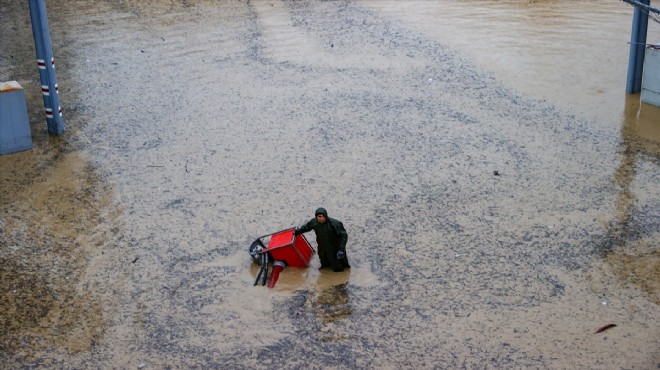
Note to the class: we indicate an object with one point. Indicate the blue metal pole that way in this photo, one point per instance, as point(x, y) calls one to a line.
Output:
point(643, 25)
point(46, 64)
point(632, 58)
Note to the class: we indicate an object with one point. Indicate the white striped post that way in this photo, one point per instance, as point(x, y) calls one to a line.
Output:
point(46, 64)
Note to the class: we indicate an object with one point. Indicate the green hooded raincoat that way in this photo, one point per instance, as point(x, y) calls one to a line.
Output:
point(331, 237)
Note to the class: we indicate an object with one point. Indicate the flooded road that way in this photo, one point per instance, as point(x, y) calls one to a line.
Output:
point(498, 211)
point(572, 54)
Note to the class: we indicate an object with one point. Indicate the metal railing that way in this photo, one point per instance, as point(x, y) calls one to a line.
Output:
point(653, 13)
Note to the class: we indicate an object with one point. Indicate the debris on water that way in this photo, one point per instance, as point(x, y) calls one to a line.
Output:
point(604, 327)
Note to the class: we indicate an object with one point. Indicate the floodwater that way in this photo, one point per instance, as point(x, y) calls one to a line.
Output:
point(499, 188)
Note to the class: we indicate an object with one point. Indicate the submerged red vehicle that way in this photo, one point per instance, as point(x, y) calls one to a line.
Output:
point(283, 248)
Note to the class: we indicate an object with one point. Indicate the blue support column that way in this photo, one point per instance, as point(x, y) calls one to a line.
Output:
point(637, 49)
point(46, 64)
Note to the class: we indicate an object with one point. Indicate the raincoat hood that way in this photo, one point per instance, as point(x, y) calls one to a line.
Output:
point(321, 211)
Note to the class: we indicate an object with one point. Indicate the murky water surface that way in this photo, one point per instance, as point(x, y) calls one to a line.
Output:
point(499, 188)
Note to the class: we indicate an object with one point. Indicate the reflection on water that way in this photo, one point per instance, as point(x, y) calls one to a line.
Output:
point(640, 136)
point(629, 244)
point(640, 129)
point(330, 302)
point(333, 303)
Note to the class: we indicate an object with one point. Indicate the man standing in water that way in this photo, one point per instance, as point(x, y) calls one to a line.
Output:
point(331, 238)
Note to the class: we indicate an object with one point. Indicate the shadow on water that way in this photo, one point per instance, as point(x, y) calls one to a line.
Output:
point(628, 245)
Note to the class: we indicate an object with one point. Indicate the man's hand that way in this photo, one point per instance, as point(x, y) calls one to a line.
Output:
point(340, 255)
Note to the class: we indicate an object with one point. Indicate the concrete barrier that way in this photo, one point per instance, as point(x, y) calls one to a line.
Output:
point(651, 80)
point(14, 123)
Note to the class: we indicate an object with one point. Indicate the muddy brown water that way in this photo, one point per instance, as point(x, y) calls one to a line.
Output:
point(194, 127)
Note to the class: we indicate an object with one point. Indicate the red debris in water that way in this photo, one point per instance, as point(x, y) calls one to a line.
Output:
point(604, 327)
point(277, 267)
